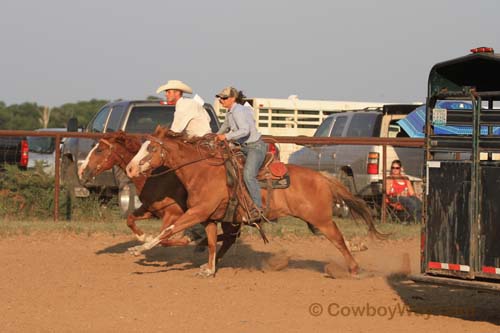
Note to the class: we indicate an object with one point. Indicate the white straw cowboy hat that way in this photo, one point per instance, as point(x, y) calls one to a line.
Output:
point(175, 84)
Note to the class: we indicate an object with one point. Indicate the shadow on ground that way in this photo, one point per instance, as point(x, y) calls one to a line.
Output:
point(436, 300)
point(118, 248)
point(240, 256)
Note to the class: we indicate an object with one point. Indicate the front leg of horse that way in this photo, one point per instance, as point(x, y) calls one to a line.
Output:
point(209, 268)
point(170, 214)
point(187, 220)
point(137, 250)
point(138, 214)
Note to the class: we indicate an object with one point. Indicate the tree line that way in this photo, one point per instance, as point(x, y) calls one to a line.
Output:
point(30, 116)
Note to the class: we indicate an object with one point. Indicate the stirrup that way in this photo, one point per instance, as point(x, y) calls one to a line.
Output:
point(261, 231)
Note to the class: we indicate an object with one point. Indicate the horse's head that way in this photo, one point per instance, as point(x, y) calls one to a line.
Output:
point(152, 153)
point(111, 150)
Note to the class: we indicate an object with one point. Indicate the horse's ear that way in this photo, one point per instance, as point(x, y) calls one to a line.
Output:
point(161, 131)
point(157, 129)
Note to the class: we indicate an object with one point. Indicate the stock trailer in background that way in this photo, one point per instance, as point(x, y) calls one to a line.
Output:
point(293, 116)
point(461, 227)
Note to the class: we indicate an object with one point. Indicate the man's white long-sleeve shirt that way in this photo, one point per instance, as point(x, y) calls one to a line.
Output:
point(192, 117)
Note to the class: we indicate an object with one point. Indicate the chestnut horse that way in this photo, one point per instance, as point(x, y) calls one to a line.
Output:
point(162, 196)
point(310, 196)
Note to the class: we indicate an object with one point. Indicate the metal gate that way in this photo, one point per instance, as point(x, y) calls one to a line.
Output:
point(461, 233)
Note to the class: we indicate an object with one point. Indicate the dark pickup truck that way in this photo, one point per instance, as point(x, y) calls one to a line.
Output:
point(137, 116)
point(14, 150)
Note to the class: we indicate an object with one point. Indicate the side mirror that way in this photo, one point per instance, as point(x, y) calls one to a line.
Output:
point(72, 125)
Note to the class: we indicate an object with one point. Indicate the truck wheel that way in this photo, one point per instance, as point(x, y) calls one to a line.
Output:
point(127, 194)
point(127, 199)
point(341, 210)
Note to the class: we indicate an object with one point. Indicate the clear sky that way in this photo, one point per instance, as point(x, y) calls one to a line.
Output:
point(59, 51)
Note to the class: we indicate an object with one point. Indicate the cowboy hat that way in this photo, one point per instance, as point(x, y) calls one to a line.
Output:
point(175, 85)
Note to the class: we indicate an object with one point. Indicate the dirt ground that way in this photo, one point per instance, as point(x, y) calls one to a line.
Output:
point(72, 283)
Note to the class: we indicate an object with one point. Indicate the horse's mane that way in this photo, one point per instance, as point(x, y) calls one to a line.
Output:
point(164, 132)
point(130, 142)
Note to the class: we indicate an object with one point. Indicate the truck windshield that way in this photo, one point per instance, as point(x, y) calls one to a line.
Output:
point(363, 125)
point(144, 119)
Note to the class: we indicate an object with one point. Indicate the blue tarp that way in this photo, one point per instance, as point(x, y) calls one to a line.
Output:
point(414, 122)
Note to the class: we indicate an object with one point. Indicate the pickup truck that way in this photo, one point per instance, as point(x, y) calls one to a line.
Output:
point(360, 166)
point(132, 116)
point(42, 150)
point(14, 150)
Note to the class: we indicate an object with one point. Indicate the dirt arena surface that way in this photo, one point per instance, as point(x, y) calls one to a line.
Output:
point(72, 283)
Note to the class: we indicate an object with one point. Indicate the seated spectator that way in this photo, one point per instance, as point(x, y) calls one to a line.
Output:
point(399, 189)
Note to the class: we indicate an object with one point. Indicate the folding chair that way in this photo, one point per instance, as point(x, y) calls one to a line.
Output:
point(397, 212)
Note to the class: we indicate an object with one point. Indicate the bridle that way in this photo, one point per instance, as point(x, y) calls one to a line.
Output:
point(111, 151)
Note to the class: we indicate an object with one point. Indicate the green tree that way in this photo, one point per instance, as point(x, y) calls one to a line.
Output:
point(27, 116)
point(83, 111)
point(20, 116)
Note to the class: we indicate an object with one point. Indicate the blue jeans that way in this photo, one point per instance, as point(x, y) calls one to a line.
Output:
point(413, 205)
point(255, 153)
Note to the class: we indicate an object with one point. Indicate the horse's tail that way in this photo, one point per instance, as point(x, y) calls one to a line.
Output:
point(356, 205)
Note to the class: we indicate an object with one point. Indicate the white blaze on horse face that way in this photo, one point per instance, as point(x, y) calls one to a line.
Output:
point(133, 166)
point(85, 163)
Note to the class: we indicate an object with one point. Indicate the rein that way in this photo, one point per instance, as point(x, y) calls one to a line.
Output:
point(179, 166)
point(160, 143)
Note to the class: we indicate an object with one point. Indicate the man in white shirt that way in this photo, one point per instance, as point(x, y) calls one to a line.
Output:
point(189, 116)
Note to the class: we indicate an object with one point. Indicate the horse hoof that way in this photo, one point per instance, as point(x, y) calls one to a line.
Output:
point(135, 251)
point(205, 272)
point(361, 274)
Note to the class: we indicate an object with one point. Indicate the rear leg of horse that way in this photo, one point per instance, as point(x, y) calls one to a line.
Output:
point(231, 232)
point(328, 227)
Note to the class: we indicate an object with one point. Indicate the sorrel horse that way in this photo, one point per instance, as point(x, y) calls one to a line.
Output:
point(310, 196)
point(162, 195)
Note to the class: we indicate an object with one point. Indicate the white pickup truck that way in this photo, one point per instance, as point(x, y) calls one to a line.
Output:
point(360, 166)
